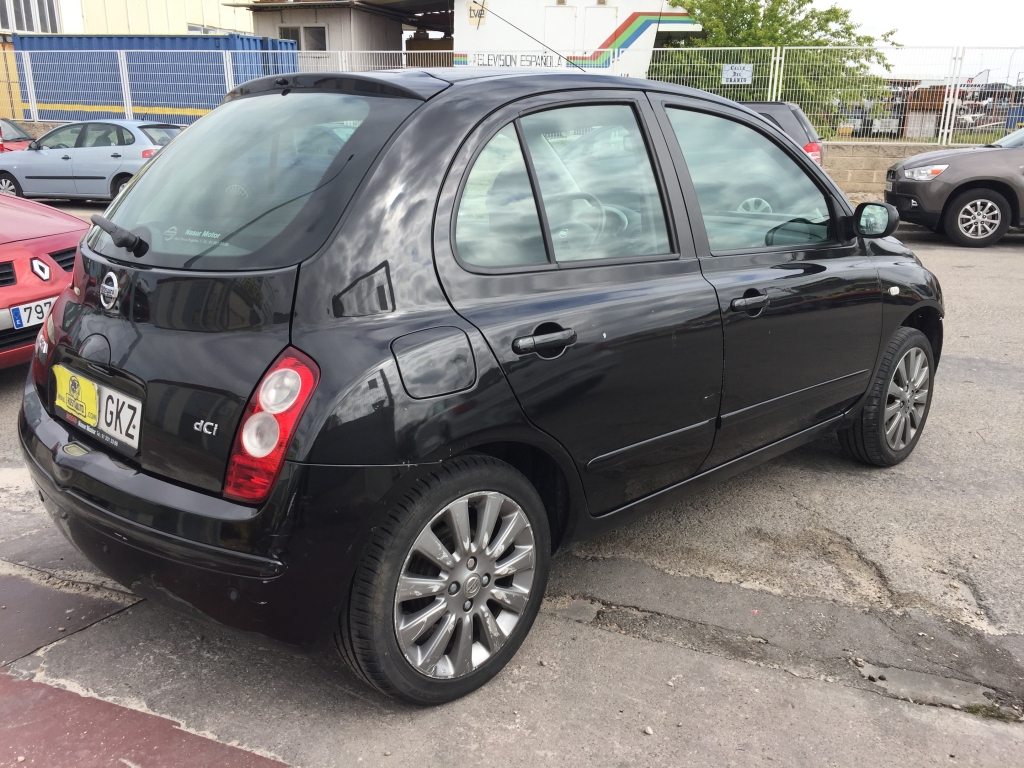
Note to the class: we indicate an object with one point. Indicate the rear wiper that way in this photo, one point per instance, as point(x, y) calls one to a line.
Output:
point(122, 238)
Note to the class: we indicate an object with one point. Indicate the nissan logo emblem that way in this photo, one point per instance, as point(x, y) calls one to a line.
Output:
point(108, 290)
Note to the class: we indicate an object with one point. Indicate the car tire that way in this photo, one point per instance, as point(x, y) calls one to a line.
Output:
point(977, 218)
point(442, 644)
point(118, 184)
point(890, 424)
point(10, 186)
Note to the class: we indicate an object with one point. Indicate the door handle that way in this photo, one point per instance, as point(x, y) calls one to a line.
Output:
point(116, 154)
point(66, 157)
point(526, 344)
point(748, 303)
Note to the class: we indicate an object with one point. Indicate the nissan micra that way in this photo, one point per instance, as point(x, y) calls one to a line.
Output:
point(355, 354)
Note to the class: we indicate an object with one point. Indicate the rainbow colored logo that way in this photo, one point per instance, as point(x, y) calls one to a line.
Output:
point(461, 59)
point(626, 34)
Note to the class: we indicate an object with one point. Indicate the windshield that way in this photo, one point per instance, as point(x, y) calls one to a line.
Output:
point(11, 132)
point(259, 182)
point(1015, 139)
point(160, 134)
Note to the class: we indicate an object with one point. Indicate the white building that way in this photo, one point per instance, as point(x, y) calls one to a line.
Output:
point(123, 17)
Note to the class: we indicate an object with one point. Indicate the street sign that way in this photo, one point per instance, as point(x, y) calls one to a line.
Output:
point(737, 74)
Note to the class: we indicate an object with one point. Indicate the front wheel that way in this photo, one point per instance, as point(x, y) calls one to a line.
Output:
point(449, 584)
point(10, 186)
point(977, 218)
point(894, 414)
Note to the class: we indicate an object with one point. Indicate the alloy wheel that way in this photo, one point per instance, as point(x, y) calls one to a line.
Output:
point(979, 219)
point(754, 205)
point(465, 584)
point(7, 188)
point(907, 399)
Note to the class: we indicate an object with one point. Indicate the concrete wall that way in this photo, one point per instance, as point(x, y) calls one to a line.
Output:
point(859, 167)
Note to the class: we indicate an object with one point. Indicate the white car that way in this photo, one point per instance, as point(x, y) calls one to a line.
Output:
point(89, 160)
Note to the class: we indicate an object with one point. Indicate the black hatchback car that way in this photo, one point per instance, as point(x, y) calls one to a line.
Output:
point(357, 353)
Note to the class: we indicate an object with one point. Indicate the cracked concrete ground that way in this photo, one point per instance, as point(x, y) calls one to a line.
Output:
point(810, 611)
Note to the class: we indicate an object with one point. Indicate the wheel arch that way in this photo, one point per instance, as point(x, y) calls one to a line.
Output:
point(545, 474)
point(928, 320)
point(1001, 187)
point(116, 181)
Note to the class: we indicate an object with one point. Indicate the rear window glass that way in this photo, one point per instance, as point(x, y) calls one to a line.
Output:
point(160, 134)
point(258, 183)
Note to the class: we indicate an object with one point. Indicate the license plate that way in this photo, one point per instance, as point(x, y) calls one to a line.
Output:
point(33, 313)
point(101, 411)
point(888, 186)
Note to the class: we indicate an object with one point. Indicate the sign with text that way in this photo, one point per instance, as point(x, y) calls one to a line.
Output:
point(477, 14)
point(737, 74)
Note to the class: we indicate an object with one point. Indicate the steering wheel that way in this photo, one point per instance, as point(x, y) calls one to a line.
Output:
point(565, 230)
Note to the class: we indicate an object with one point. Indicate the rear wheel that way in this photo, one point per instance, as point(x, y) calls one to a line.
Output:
point(118, 185)
point(450, 583)
point(10, 186)
point(977, 218)
point(894, 414)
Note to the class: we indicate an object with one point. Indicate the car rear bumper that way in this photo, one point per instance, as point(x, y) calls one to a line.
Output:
point(246, 592)
point(110, 512)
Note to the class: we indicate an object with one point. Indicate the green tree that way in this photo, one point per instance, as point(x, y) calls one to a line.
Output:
point(836, 78)
point(756, 23)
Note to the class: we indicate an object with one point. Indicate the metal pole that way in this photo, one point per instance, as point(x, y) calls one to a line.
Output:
point(126, 87)
point(229, 72)
point(952, 92)
point(780, 73)
point(30, 86)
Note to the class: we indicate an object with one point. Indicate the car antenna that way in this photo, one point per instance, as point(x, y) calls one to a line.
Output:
point(122, 238)
point(499, 18)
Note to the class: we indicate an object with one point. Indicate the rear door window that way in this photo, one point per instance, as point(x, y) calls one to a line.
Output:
point(596, 182)
point(100, 135)
point(751, 193)
point(498, 224)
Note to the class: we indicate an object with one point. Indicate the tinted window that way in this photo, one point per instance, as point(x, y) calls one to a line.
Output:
point(160, 134)
point(100, 135)
point(751, 193)
point(596, 182)
point(62, 138)
point(497, 224)
point(259, 182)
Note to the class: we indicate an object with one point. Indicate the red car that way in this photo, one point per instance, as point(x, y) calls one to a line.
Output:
point(37, 256)
point(12, 137)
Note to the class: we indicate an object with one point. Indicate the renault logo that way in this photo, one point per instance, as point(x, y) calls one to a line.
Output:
point(40, 269)
point(108, 290)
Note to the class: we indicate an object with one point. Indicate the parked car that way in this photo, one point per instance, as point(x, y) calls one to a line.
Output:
point(37, 254)
point(12, 136)
point(358, 392)
point(92, 160)
point(972, 194)
point(793, 122)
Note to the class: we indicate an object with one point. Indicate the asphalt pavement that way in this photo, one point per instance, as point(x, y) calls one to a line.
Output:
point(811, 611)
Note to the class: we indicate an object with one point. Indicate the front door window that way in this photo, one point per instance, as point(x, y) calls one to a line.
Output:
point(751, 193)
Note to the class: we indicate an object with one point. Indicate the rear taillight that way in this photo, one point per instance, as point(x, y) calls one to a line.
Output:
point(268, 425)
point(813, 150)
point(148, 153)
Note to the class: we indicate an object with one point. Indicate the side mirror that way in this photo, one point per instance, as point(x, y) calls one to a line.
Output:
point(875, 220)
point(33, 145)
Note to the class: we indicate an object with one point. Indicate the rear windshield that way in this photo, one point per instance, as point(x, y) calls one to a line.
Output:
point(160, 134)
point(258, 183)
point(11, 132)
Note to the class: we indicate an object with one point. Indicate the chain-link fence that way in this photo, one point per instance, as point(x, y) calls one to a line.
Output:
point(927, 95)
